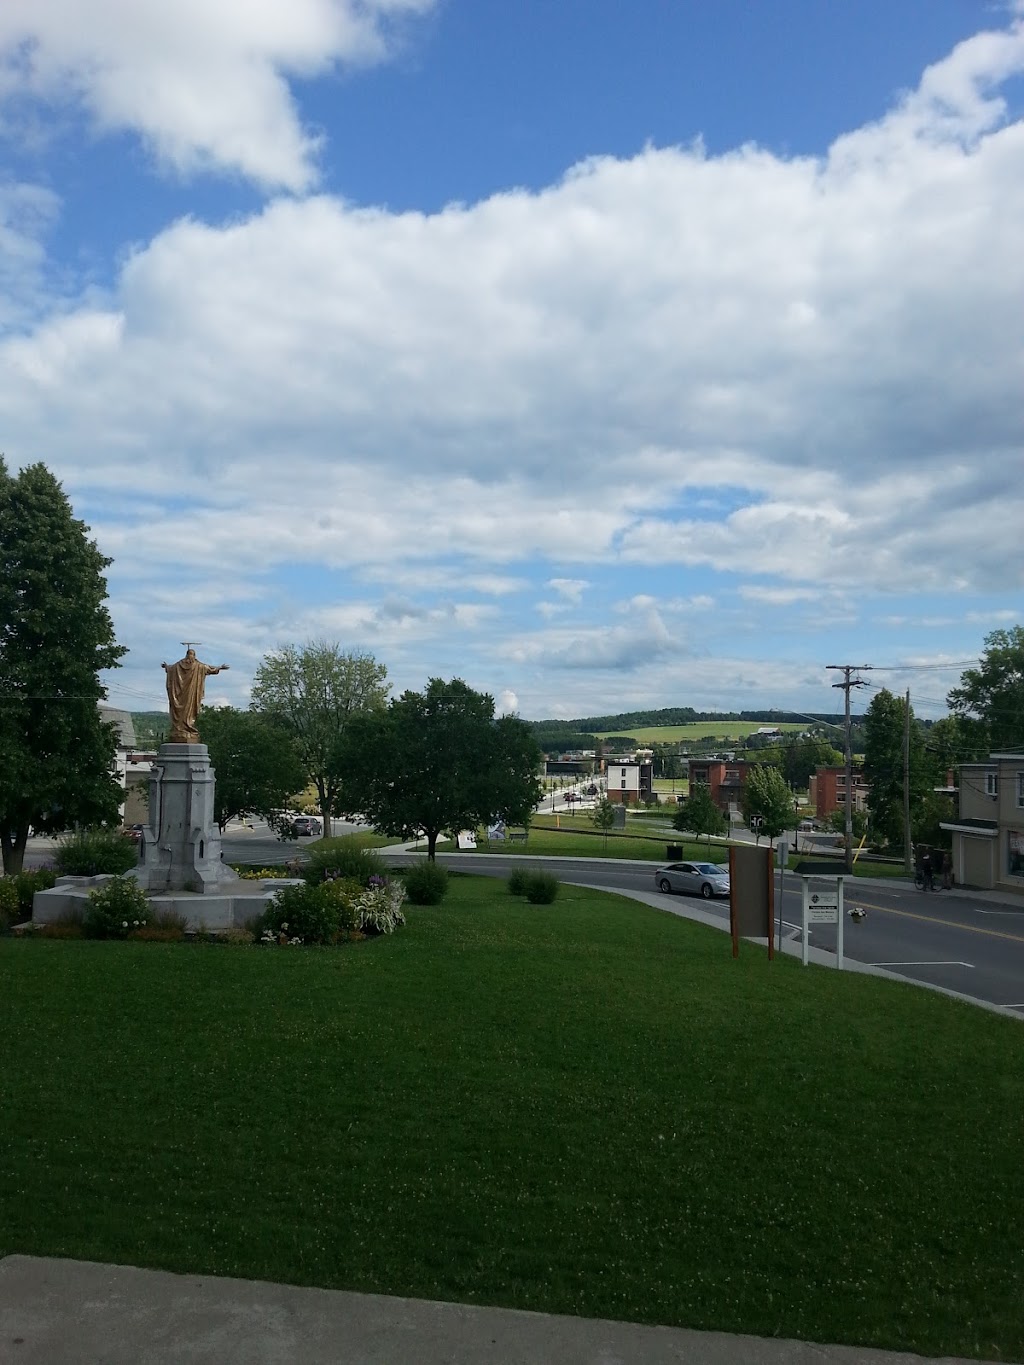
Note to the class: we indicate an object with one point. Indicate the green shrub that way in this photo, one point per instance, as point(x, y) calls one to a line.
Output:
point(116, 909)
point(379, 907)
point(323, 913)
point(31, 881)
point(343, 859)
point(92, 852)
point(173, 921)
point(426, 883)
point(541, 888)
point(9, 903)
point(518, 880)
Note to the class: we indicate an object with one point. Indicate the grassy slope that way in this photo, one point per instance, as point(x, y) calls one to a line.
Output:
point(588, 1109)
point(702, 729)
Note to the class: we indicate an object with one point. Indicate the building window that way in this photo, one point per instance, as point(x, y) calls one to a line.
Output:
point(1020, 789)
point(623, 774)
point(623, 784)
point(991, 784)
point(1015, 852)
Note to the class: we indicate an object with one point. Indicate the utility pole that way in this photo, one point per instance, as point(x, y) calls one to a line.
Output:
point(848, 683)
point(908, 858)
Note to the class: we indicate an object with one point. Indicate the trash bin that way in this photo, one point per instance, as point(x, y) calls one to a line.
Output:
point(674, 852)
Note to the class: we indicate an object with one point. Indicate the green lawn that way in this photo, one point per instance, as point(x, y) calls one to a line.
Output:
point(700, 729)
point(588, 1109)
point(577, 837)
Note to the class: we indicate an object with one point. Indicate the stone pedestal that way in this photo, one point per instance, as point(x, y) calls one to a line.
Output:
point(180, 848)
point(179, 856)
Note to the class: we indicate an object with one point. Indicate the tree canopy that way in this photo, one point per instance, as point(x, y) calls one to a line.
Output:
point(990, 698)
point(699, 815)
point(438, 760)
point(314, 692)
point(884, 723)
point(766, 795)
point(256, 762)
point(56, 753)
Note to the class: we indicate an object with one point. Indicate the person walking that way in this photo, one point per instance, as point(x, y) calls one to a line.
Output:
point(927, 874)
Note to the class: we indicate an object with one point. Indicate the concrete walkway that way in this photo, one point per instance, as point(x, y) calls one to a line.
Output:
point(55, 1312)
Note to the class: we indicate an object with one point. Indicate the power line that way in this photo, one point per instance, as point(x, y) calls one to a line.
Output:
point(846, 685)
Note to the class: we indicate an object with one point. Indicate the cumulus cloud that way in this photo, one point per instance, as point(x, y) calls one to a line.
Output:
point(205, 84)
point(796, 369)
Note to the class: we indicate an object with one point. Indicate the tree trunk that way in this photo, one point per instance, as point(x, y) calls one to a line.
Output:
point(325, 808)
point(431, 843)
point(12, 847)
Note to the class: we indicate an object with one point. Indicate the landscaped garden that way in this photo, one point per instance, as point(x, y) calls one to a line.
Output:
point(586, 1107)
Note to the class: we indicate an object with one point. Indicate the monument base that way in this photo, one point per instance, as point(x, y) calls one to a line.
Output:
point(232, 909)
point(180, 849)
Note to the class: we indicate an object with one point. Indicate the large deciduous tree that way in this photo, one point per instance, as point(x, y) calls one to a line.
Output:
point(766, 794)
point(699, 815)
point(990, 698)
point(56, 753)
point(438, 760)
point(803, 755)
point(257, 764)
point(315, 692)
point(884, 725)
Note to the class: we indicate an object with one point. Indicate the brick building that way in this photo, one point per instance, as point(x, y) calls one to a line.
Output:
point(828, 791)
point(725, 778)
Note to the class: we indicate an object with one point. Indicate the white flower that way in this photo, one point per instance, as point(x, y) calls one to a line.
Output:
point(124, 924)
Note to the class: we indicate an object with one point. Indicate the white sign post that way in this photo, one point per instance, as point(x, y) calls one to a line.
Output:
point(823, 907)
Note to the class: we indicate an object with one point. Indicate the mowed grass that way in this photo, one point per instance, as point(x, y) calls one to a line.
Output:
point(700, 729)
point(576, 837)
point(588, 1108)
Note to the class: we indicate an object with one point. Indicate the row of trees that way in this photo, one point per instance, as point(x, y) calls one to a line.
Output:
point(433, 760)
point(436, 760)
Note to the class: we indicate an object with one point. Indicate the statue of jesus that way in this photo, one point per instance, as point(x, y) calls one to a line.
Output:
point(186, 681)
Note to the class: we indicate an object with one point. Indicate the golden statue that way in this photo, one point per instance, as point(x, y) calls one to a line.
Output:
point(186, 681)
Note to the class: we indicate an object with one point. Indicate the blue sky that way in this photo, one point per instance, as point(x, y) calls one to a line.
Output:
point(605, 355)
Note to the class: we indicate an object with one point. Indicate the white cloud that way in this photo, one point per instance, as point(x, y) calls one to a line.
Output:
point(205, 84)
point(571, 589)
point(801, 370)
point(508, 703)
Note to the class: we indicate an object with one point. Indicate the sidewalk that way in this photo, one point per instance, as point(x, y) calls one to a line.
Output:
point(57, 1312)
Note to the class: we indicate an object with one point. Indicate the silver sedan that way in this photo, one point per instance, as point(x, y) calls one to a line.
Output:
point(695, 879)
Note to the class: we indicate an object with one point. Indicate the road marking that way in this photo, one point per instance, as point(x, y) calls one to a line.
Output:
point(999, 912)
point(1014, 1007)
point(929, 963)
point(947, 923)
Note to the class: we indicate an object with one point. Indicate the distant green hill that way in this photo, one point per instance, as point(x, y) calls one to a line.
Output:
point(151, 728)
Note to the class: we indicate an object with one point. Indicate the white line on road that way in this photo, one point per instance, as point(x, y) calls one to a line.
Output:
point(930, 963)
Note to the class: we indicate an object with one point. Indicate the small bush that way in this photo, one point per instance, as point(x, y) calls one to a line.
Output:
point(310, 914)
point(115, 910)
point(29, 882)
point(541, 888)
point(518, 880)
point(426, 883)
point(172, 920)
point(93, 852)
point(9, 903)
point(379, 907)
point(344, 859)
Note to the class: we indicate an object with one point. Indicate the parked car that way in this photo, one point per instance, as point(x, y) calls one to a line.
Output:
point(305, 826)
point(693, 879)
point(133, 832)
point(591, 790)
